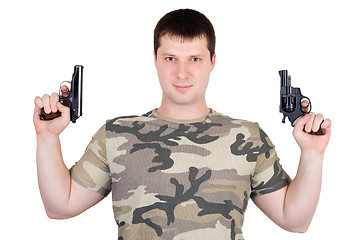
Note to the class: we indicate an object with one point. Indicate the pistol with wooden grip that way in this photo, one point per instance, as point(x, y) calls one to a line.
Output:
point(290, 101)
point(73, 99)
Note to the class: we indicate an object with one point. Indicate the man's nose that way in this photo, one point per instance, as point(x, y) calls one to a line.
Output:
point(182, 71)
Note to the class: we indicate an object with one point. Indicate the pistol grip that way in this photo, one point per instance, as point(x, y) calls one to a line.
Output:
point(319, 132)
point(51, 116)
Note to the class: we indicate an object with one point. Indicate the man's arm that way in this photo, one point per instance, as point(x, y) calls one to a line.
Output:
point(293, 207)
point(62, 197)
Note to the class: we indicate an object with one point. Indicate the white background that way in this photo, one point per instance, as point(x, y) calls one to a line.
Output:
point(41, 41)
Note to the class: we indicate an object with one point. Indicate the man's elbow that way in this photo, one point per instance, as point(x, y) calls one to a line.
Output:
point(297, 229)
point(300, 230)
point(58, 216)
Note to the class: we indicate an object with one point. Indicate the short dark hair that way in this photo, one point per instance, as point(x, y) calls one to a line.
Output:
point(186, 24)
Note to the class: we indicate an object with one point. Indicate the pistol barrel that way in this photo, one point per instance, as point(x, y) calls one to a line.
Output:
point(287, 98)
point(77, 90)
point(284, 78)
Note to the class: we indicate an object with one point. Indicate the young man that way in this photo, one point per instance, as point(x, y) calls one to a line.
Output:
point(183, 170)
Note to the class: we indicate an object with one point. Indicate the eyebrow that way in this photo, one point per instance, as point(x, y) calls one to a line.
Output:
point(167, 54)
point(197, 55)
point(193, 55)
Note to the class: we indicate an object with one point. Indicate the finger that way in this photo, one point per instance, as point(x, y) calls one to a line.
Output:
point(300, 123)
point(38, 103)
point(46, 103)
point(309, 124)
point(64, 91)
point(305, 106)
point(54, 98)
point(65, 111)
point(62, 108)
point(326, 125)
point(319, 118)
point(64, 88)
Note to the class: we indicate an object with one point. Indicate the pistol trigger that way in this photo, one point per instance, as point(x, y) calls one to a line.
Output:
point(284, 117)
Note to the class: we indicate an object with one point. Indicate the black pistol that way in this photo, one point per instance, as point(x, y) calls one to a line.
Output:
point(73, 97)
point(290, 101)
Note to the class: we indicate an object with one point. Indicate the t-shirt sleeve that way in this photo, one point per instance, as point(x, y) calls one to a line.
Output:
point(92, 170)
point(269, 176)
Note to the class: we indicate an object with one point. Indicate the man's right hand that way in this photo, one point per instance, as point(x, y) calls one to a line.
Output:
point(51, 103)
point(62, 196)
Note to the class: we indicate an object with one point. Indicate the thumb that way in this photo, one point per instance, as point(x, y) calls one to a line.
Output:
point(300, 123)
point(65, 111)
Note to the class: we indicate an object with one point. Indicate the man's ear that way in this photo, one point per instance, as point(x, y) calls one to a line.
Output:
point(213, 61)
point(154, 57)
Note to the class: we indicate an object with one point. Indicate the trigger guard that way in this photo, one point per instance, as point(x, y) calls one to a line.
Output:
point(69, 87)
point(307, 105)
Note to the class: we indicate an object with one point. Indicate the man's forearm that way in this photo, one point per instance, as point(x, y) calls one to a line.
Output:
point(53, 175)
point(303, 193)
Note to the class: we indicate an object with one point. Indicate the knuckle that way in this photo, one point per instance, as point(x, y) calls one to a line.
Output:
point(38, 102)
point(304, 103)
point(37, 99)
point(54, 98)
point(46, 103)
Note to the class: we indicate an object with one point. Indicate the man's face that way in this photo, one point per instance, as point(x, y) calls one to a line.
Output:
point(184, 69)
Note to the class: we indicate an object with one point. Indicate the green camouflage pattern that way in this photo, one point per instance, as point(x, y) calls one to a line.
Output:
point(180, 179)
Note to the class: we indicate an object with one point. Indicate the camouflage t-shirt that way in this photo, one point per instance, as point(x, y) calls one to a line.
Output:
point(180, 179)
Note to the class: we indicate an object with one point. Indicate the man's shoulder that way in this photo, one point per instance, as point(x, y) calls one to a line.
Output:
point(217, 116)
point(131, 118)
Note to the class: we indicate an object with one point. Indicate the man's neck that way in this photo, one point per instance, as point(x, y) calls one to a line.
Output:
point(183, 112)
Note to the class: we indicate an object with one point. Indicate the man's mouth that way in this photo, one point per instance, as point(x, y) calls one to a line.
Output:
point(182, 87)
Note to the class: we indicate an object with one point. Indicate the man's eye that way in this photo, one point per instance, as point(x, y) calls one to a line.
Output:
point(195, 59)
point(170, 59)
